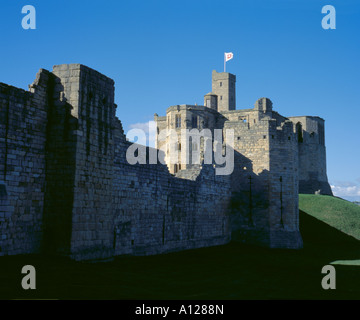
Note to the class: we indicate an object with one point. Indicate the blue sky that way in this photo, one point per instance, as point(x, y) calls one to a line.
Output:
point(161, 53)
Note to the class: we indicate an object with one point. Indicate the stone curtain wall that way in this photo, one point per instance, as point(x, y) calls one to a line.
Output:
point(66, 187)
point(156, 212)
point(23, 121)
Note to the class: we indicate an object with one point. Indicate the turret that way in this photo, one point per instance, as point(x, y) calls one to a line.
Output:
point(210, 101)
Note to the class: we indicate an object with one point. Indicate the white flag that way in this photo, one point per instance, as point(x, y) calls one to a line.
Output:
point(228, 56)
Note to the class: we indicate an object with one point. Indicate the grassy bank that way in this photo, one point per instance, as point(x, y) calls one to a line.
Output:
point(338, 213)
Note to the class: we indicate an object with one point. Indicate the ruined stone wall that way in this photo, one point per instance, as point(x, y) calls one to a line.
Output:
point(59, 168)
point(88, 128)
point(23, 121)
point(66, 186)
point(156, 212)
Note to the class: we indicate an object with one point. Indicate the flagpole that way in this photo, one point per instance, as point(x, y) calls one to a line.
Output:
point(224, 63)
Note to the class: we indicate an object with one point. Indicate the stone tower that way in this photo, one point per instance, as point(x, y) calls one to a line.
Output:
point(312, 154)
point(78, 218)
point(223, 85)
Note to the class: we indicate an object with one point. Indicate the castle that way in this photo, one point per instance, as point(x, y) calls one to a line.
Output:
point(67, 188)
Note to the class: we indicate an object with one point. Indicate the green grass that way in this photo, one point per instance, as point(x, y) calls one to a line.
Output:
point(233, 271)
point(338, 213)
point(347, 262)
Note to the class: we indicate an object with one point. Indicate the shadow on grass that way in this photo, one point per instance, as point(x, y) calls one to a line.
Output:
point(334, 244)
point(232, 271)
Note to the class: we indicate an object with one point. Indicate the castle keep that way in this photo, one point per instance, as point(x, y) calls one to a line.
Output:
point(67, 188)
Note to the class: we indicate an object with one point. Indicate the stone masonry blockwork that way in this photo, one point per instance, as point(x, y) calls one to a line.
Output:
point(66, 187)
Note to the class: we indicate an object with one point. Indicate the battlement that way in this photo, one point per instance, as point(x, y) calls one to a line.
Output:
point(216, 76)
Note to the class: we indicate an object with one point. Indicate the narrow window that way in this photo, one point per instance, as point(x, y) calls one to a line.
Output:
point(299, 132)
point(178, 121)
point(194, 120)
